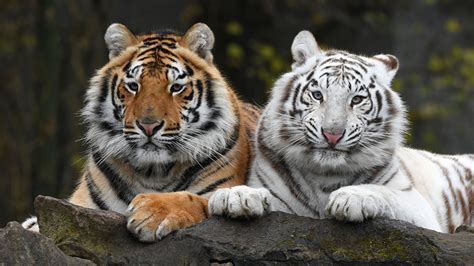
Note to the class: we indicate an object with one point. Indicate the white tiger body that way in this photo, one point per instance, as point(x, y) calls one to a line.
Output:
point(330, 144)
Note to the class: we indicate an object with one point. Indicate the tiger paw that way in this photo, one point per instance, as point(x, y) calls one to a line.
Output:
point(150, 217)
point(357, 204)
point(240, 202)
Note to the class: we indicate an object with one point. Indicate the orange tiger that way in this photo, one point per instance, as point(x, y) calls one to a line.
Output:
point(165, 130)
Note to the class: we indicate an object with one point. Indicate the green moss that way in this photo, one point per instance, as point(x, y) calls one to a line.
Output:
point(68, 234)
point(371, 248)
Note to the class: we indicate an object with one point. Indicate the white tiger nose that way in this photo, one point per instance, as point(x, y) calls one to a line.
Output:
point(333, 139)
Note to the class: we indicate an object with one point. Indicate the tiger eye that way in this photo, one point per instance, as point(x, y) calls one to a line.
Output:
point(317, 95)
point(357, 99)
point(176, 88)
point(133, 86)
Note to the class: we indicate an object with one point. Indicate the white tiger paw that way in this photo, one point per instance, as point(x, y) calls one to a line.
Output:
point(240, 202)
point(357, 204)
point(31, 224)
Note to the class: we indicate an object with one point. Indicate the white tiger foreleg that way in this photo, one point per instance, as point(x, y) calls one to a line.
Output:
point(362, 202)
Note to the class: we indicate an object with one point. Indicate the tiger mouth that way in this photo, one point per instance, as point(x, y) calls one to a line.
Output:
point(330, 150)
point(149, 146)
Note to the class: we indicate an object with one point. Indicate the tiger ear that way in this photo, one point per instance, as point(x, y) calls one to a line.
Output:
point(118, 38)
point(389, 64)
point(199, 39)
point(304, 46)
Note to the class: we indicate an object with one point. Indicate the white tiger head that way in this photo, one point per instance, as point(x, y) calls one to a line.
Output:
point(335, 110)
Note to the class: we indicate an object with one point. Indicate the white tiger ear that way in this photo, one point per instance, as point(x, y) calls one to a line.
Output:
point(199, 39)
point(304, 46)
point(389, 64)
point(118, 38)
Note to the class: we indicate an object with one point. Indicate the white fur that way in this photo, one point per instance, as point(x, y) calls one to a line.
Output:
point(240, 201)
point(31, 224)
point(399, 183)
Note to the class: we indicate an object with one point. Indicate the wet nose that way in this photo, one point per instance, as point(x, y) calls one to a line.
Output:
point(149, 127)
point(332, 137)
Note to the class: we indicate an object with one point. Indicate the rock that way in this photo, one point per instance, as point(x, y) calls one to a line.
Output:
point(101, 236)
point(21, 247)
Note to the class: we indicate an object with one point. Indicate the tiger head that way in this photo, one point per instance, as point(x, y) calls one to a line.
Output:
point(159, 98)
point(337, 107)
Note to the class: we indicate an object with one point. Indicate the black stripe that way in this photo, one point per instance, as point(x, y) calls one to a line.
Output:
point(446, 175)
point(189, 70)
point(95, 193)
point(392, 110)
point(120, 187)
point(125, 68)
point(353, 137)
point(147, 51)
point(104, 89)
point(171, 45)
point(210, 125)
point(214, 185)
point(378, 96)
point(312, 129)
point(265, 185)
point(31, 225)
point(406, 170)
point(190, 96)
point(160, 37)
point(288, 89)
point(390, 178)
point(107, 126)
point(279, 165)
point(209, 91)
point(193, 172)
point(354, 70)
point(117, 108)
point(295, 96)
point(198, 104)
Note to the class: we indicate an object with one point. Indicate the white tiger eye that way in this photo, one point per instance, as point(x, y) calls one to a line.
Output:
point(317, 95)
point(357, 99)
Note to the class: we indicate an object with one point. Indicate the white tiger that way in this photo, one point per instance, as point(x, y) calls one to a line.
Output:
point(330, 144)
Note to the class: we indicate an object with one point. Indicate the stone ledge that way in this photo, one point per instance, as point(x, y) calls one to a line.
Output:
point(21, 247)
point(101, 236)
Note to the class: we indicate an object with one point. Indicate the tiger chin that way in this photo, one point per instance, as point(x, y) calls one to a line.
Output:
point(165, 130)
point(330, 145)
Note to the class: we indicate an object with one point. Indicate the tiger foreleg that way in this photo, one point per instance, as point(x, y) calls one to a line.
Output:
point(361, 202)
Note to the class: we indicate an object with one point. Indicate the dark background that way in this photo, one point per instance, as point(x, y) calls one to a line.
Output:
point(49, 49)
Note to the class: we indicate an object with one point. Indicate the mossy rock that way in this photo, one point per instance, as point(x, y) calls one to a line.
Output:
point(101, 236)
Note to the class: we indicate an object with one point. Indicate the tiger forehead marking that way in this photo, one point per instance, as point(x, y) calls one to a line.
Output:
point(341, 68)
point(152, 80)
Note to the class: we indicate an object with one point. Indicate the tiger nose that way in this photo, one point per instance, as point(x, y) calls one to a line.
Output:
point(149, 127)
point(333, 138)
